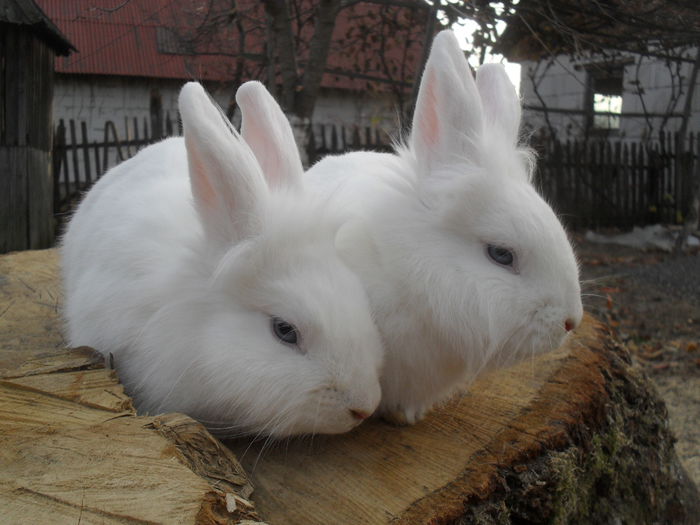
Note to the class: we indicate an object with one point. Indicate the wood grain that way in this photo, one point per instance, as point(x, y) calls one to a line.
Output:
point(380, 473)
point(73, 450)
point(575, 436)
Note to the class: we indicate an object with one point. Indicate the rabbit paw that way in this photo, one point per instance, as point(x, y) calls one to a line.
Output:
point(403, 416)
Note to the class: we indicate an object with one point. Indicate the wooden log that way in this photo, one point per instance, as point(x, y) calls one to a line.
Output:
point(576, 436)
point(73, 449)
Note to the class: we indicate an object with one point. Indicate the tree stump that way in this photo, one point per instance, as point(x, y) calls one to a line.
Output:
point(73, 449)
point(576, 436)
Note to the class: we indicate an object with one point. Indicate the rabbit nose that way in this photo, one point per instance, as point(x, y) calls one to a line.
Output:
point(569, 325)
point(359, 414)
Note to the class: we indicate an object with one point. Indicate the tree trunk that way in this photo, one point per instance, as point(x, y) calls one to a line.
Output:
point(318, 57)
point(285, 50)
point(298, 96)
point(576, 436)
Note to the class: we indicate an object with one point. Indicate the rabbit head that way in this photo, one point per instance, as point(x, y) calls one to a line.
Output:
point(500, 272)
point(279, 339)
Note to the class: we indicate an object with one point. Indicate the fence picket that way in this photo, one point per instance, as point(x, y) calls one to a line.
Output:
point(168, 125)
point(334, 140)
point(58, 161)
point(86, 153)
point(76, 165)
point(356, 143)
point(96, 152)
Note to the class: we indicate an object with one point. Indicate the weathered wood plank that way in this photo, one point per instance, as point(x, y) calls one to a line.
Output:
point(39, 199)
point(13, 200)
point(14, 85)
point(25, 121)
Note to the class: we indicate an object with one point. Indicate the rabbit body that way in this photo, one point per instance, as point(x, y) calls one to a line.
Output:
point(466, 267)
point(219, 293)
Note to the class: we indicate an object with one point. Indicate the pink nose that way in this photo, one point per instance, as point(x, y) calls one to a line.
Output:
point(569, 325)
point(359, 414)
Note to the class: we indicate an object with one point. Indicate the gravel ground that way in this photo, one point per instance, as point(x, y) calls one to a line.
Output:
point(653, 301)
point(679, 277)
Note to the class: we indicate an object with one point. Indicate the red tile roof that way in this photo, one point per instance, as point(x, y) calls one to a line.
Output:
point(145, 38)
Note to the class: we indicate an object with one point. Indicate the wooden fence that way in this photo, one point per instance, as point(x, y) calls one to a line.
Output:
point(590, 184)
point(330, 139)
point(78, 162)
point(620, 184)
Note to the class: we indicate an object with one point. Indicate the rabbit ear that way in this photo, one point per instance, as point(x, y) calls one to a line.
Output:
point(500, 101)
point(227, 184)
point(267, 131)
point(447, 120)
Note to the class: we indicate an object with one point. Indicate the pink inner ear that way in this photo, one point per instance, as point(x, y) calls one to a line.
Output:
point(204, 191)
point(429, 122)
point(258, 137)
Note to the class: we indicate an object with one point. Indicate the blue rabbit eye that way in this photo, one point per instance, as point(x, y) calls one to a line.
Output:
point(500, 255)
point(284, 331)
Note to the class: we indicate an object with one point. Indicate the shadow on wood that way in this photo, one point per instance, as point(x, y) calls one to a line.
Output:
point(576, 436)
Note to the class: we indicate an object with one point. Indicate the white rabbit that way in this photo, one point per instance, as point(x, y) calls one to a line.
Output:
point(219, 292)
point(466, 266)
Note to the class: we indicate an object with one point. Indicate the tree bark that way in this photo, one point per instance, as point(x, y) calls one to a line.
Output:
point(318, 57)
point(298, 96)
point(281, 22)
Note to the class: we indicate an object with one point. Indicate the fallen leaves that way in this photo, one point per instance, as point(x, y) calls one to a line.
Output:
point(636, 330)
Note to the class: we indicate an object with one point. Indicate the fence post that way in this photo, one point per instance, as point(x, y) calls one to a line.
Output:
point(156, 114)
point(86, 154)
point(168, 125)
point(58, 152)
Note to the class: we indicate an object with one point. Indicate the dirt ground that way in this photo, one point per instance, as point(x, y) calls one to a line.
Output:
point(652, 300)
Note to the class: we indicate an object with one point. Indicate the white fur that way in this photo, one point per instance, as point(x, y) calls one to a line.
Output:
point(176, 273)
point(446, 312)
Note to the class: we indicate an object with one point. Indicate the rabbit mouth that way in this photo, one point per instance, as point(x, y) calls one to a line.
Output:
point(539, 333)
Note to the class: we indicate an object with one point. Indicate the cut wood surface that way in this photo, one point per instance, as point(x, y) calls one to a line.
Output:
point(72, 449)
point(576, 436)
point(564, 438)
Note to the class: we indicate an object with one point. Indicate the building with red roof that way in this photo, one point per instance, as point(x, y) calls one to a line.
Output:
point(133, 56)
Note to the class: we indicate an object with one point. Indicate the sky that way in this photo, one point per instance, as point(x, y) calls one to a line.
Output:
point(464, 30)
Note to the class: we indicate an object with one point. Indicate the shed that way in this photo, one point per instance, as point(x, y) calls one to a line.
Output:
point(29, 41)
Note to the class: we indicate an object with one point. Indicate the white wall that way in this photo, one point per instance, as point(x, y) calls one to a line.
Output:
point(96, 99)
point(563, 86)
